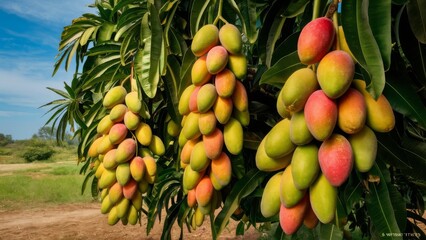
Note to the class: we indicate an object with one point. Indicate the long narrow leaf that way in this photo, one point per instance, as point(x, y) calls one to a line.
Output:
point(330, 231)
point(198, 8)
point(281, 70)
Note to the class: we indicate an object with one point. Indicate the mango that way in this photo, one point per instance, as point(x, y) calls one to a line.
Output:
point(183, 105)
point(304, 166)
point(104, 125)
point(93, 149)
point(199, 160)
point(104, 145)
point(225, 82)
point(182, 139)
point(217, 59)
point(143, 134)
point(290, 195)
point(191, 130)
point(130, 189)
point(299, 131)
point(268, 164)
point(239, 97)
point(315, 40)
point(173, 129)
point(107, 179)
point(105, 32)
point(222, 109)
point(114, 96)
point(380, 117)
point(199, 73)
point(150, 169)
point(109, 161)
point(213, 143)
point(133, 215)
point(281, 108)
point(335, 159)
point(191, 178)
point(364, 148)
point(323, 199)
point(106, 205)
point(291, 218)
point(99, 171)
point(117, 133)
point(310, 220)
point(191, 199)
point(193, 100)
point(137, 168)
point(143, 186)
point(237, 63)
point(207, 122)
point(204, 191)
point(133, 103)
point(117, 113)
point(122, 207)
point(352, 111)
point(157, 146)
point(278, 143)
point(297, 89)
point(122, 173)
point(335, 73)
point(125, 150)
point(215, 182)
point(185, 154)
point(198, 217)
point(115, 193)
point(233, 136)
point(320, 115)
point(230, 38)
point(131, 120)
point(206, 97)
point(204, 39)
point(221, 168)
point(343, 43)
point(205, 209)
point(270, 202)
point(112, 216)
point(137, 200)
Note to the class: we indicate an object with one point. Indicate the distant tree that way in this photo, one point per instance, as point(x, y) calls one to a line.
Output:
point(5, 139)
point(46, 133)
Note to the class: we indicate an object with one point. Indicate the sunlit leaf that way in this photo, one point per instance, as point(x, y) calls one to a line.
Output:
point(198, 8)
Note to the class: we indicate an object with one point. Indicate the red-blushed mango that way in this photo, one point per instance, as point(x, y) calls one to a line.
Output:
point(104, 145)
point(380, 117)
point(304, 165)
point(352, 111)
point(278, 143)
point(122, 172)
point(315, 40)
point(199, 160)
point(115, 193)
point(233, 136)
point(204, 191)
point(299, 131)
point(130, 189)
point(239, 97)
point(221, 168)
point(237, 63)
point(198, 217)
point(117, 113)
point(93, 149)
point(132, 215)
point(268, 164)
point(213, 143)
point(222, 109)
point(191, 129)
point(104, 125)
point(199, 73)
point(191, 178)
point(335, 159)
point(335, 73)
point(320, 115)
point(323, 199)
point(114, 96)
point(310, 220)
point(133, 102)
point(291, 218)
point(183, 105)
point(206, 97)
point(281, 109)
point(126, 150)
point(191, 199)
point(225, 82)
point(106, 205)
point(122, 208)
point(137, 200)
point(204, 39)
point(364, 148)
point(230, 38)
point(217, 59)
point(185, 154)
point(137, 168)
point(144, 134)
point(173, 129)
point(109, 161)
point(112, 216)
point(207, 122)
point(131, 120)
point(157, 146)
point(117, 133)
point(193, 102)
point(290, 195)
point(297, 89)
point(150, 169)
point(270, 202)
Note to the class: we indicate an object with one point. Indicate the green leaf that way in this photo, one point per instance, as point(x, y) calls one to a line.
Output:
point(416, 10)
point(330, 231)
point(198, 8)
point(86, 35)
point(249, 16)
point(295, 8)
point(399, 206)
point(281, 70)
point(352, 192)
point(185, 70)
point(172, 86)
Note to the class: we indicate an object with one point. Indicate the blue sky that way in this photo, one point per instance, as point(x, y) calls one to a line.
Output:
point(29, 36)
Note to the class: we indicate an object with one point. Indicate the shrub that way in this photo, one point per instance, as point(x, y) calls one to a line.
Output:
point(38, 151)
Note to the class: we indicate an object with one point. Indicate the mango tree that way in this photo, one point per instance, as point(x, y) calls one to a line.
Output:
point(303, 119)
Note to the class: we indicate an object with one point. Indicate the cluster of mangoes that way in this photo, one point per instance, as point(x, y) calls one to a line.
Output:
point(327, 128)
point(215, 110)
point(124, 151)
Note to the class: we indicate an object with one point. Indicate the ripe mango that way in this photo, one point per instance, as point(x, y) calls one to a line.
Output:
point(239, 97)
point(191, 178)
point(122, 208)
point(137, 200)
point(335, 159)
point(112, 216)
point(225, 82)
point(191, 130)
point(137, 168)
point(335, 73)
point(323, 199)
point(206, 97)
point(343, 43)
point(117, 133)
point(133, 103)
point(320, 115)
point(237, 63)
point(221, 168)
point(131, 120)
point(199, 160)
point(278, 143)
point(106, 205)
point(185, 154)
point(268, 164)
point(104, 145)
point(114, 96)
point(380, 117)
point(183, 105)
point(270, 202)
point(217, 59)
point(310, 220)
point(290, 195)
point(281, 109)
point(230, 38)
point(117, 113)
point(109, 161)
point(99, 171)
point(215, 182)
point(213, 143)
point(126, 150)
point(157, 146)
point(305, 166)
point(297, 89)
point(198, 217)
point(222, 109)
point(199, 73)
point(133, 215)
point(364, 148)
point(150, 169)
point(291, 218)
point(104, 125)
point(315, 40)
point(173, 129)
point(207, 122)
point(122, 172)
point(115, 193)
point(204, 191)
point(93, 149)
point(191, 199)
point(107, 179)
point(352, 111)
point(144, 134)
point(205, 38)
point(233, 136)
point(130, 189)
point(242, 117)
point(193, 102)
point(299, 132)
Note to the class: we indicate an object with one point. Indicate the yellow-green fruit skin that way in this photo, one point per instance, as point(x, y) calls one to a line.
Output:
point(270, 202)
point(131, 120)
point(297, 89)
point(133, 215)
point(109, 161)
point(239, 97)
point(157, 146)
point(237, 63)
point(205, 38)
point(191, 130)
point(122, 207)
point(233, 136)
point(183, 105)
point(199, 160)
point(335, 73)
point(104, 125)
point(198, 217)
point(185, 153)
point(191, 178)
point(364, 148)
point(173, 129)
point(243, 117)
point(299, 131)
point(222, 109)
point(112, 216)
point(278, 142)
point(114, 96)
point(107, 179)
point(304, 165)
point(206, 97)
point(352, 111)
point(281, 109)
point(106, 205)
point(199, 73)
point(125, 150)
point(115, 193)
point(117, 113)
point(230, 38)
point(268, 164)
point(323, 198)
point(122, 173)
point(225, 82)
point(290, 195)
point(217, 59)
point(143, 134)
point(207, 122)
point(93, 149)
point(133, 102)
